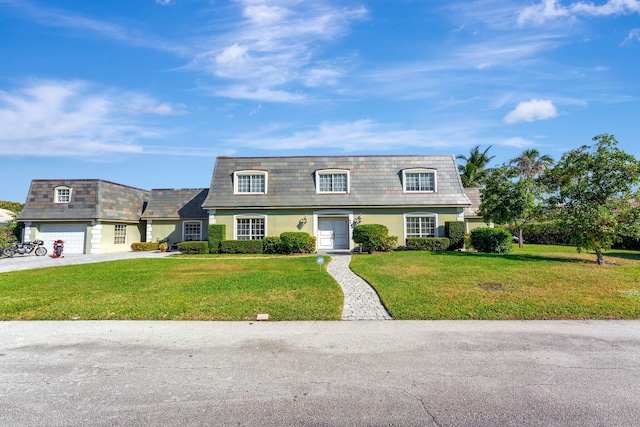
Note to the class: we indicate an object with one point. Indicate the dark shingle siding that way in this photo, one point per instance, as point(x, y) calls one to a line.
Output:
point(176, 204)
point(374, 181)
point(91, 199)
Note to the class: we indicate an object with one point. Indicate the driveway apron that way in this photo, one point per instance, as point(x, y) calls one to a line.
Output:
point(361, 302)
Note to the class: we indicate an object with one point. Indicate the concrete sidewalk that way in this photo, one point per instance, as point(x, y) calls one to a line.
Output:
point(367, 373)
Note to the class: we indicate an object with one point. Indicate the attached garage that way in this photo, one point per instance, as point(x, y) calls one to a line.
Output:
point(74, 236)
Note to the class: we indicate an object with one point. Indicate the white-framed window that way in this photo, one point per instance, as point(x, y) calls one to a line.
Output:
point(420, 225)
point(419, 180)
point(250, 182)
point(250, 228)
point(192, 230)
point(332, 181)
point(120, 234)
point(62, 194)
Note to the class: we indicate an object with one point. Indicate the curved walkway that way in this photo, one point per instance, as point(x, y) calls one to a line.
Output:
point(361, 302)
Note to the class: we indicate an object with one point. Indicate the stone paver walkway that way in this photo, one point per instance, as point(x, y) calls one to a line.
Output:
point(361, 302)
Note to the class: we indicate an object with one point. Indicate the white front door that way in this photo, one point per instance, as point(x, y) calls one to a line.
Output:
point(333, 233)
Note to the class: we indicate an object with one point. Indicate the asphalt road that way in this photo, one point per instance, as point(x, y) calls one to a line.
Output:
point(368, 373)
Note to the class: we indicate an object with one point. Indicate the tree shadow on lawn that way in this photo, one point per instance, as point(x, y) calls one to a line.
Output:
point(633, 256)
point(517, 257)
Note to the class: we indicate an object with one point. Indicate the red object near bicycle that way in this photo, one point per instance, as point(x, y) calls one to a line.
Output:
point(58, 246)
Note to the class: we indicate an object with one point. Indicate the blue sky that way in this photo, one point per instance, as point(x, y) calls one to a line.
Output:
point(148, 92)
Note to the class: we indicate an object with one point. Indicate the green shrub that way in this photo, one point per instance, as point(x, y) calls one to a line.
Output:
point(194, 247)
point(629, 243)
point(272, 245)
point(374, 237)
point(467, 241)
point(217, 233)
point(312, 245)
point(454, 230)
point(241, 247)
point(428, 243)
point(6, 236)
point(144, 246)
point(491, 240)
point(295, 242)
point(544, 233)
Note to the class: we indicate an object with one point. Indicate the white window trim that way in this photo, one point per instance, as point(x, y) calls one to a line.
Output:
point(55, 193)
point(248, 216)
point(184, 227)
point(423, 215)
point(419, 170)
point(250, 172)
point(333, 172)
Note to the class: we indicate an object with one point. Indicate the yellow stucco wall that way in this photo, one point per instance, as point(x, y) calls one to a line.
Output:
point(107, 244)
point(279, 221)
point(472, 223)
point(173, 230)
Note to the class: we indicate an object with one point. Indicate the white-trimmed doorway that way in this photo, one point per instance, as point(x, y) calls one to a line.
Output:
point(332, 229)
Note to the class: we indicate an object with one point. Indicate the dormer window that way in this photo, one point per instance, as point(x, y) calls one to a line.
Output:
point(250, 182)
point(419, 180)
point(62, 195)
point(332, 181)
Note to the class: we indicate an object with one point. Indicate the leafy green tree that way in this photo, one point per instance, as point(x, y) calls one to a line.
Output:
point(508, 198)
point(530, 163)
point(14, 207)
point(591, 191)
point(474, 170)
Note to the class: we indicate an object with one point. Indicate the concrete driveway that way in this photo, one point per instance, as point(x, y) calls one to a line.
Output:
point(365, 373)
point(28, 262)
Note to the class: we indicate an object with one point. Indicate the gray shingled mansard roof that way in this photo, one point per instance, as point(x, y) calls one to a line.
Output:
point(176, 204)
point(375, 181)
point(91, 200)
point(473, 194)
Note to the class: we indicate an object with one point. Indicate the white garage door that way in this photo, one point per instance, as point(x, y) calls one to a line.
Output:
point(73, 237)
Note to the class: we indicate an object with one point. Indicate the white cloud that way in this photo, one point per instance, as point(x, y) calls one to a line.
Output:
point(529, 111)
point(74, 118)
point(274, 45)
point(634, 35)
point(53, 17)
point(362, 136)
point(164, 2)
point(546, 10)
point(260, 94)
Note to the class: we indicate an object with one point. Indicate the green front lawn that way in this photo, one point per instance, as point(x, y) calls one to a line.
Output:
point(286, 288)
point(537, 282)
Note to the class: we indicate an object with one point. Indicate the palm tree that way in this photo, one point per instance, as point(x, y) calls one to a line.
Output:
point(474, 171)
point(531, 163)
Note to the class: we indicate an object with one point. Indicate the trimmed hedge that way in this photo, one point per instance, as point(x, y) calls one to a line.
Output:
point(491, 240)
point(455, 231)
point(144, 246)
point(295, 242)
point(272, 245)
point(287, 242)
point(428, 243)
point(217, 233)
point(374, 237)
point(194, 247)
point(241, 247)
